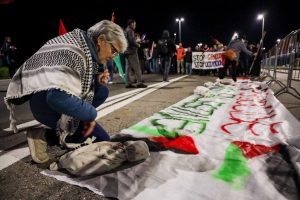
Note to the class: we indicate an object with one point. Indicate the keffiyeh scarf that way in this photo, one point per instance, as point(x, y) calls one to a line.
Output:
point(63, 63)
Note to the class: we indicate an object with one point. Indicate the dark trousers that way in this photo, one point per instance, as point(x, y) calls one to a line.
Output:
point(166, 63)
point(233, 66)
point(133, 64)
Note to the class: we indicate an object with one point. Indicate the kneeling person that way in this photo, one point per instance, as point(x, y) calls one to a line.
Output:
point(64, 86)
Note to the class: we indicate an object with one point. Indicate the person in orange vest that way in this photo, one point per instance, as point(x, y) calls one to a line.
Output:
point(180, 53)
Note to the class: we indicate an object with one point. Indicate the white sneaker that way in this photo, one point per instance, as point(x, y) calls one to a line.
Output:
point(37, 145)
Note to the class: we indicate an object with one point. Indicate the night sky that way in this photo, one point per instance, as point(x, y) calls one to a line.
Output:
point(31, 23)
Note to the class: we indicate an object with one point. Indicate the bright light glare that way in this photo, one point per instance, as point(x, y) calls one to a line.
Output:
point(260, 16)
point(235, 35)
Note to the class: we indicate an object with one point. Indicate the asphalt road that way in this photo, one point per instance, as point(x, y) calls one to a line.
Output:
point(22, 180)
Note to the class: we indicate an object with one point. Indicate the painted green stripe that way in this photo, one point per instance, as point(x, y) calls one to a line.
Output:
point(234, 169)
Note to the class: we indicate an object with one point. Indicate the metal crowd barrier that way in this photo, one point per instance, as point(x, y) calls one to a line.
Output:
point(282, 64)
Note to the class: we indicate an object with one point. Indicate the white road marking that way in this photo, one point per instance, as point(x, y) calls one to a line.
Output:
point(113, 103)
point(8, 158)
point(25, 125)
point(117, 105)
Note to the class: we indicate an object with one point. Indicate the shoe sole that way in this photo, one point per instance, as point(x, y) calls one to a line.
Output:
point(32, 149)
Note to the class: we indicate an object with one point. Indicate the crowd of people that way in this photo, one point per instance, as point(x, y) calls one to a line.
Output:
point(142, 56)
point(179, 59)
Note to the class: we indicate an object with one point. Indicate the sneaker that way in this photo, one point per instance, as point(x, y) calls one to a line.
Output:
point(37, 145)
point(141, 85)
point(130, 86)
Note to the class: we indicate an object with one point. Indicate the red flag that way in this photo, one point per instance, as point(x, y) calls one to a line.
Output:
point(6, 1)
point(214, 40)
point(62, 30)
point(113, 17)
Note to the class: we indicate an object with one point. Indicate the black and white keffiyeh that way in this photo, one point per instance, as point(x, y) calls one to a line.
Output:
point(63, 63)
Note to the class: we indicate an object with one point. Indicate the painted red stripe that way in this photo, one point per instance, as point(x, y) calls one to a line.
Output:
point(253, 150)
point(184, 143)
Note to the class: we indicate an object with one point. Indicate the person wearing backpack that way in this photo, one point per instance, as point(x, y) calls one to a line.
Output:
point(166, 49)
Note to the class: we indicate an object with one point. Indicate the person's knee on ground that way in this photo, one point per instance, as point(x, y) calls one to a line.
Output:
point(37, 144)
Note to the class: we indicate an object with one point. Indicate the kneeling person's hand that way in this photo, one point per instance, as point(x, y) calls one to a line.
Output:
point(88, 128)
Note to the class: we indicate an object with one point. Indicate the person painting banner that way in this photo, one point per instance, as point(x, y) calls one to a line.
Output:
point(257, 52)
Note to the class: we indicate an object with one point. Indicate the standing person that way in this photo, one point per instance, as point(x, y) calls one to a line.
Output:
point(132, 60)
point(63, 85)
point(188, 61)
point(110, 68)
point(141, 53)
point(180, 53)
point(235, 47)
point(255, 72)
point(243, 63)
point(166, 49)
point(154, 59)
point(8, 50)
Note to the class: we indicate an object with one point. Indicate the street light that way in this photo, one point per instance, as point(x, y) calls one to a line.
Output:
point(261, 17)
point(175, 37)
point(278, 40)
point(179, 21)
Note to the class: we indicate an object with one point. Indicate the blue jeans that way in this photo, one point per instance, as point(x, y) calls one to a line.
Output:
point(154, 65)
point(47, 107)
point(188, 67)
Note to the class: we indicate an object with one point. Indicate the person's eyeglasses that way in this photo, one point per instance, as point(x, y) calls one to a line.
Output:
point(114, 51)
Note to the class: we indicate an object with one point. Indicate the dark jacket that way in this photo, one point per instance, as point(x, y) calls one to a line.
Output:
point(238, 46)
point(8, 51)
point(154, 53)
point(188, 57)
point(132, 44)
point(170, 43)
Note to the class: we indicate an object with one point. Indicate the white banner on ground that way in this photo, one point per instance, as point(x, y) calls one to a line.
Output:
point(207, 60)
point(228, 143)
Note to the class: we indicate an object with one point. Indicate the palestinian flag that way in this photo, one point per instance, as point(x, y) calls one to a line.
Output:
point(232, 142)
